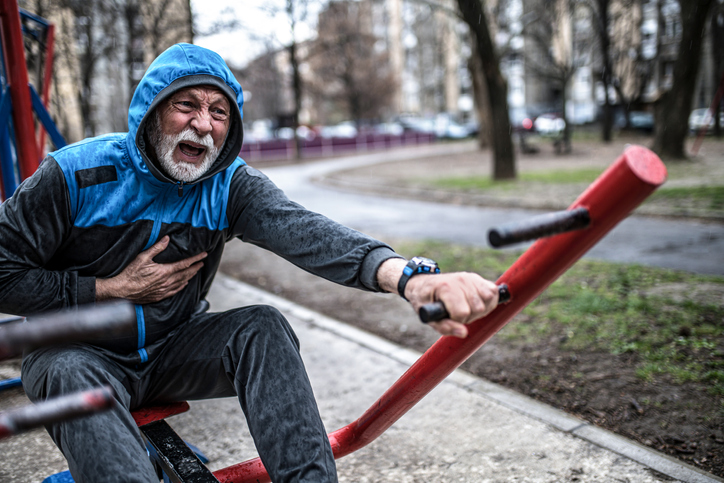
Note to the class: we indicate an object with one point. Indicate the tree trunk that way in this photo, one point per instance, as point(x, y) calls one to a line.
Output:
point(296, 79)
point(297, 88)
point(563, 145)
point(480, 95)
point(603, 21)
point(672, 111)
point(503, 154)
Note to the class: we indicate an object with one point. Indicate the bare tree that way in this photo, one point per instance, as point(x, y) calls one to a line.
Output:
point(559, 47)
point(600, 11)
point(475, 17)
point(480, 95)
point(264, 81)
point(672, 109)
point(353, 72)
point(95, 37)
point(152, 27)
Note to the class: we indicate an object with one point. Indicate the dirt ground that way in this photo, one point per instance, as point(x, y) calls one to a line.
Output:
point(682, 420)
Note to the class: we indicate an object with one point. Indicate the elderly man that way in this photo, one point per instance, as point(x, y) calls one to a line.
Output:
point(144, 216)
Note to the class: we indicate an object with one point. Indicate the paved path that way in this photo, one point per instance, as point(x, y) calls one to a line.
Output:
point(684, 245)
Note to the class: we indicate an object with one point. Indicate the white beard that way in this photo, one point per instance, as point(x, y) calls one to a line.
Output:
point(165, 144)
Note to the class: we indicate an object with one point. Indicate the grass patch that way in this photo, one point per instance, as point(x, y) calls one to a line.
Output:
point(713, 196)
point(611, 308)
point(548, 177)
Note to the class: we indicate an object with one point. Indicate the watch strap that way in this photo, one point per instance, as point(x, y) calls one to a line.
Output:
point(415, 266)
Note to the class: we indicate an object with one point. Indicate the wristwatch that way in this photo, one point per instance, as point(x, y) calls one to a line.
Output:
point(415, 266)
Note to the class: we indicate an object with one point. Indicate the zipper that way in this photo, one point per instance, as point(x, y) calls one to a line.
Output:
point(180, 185)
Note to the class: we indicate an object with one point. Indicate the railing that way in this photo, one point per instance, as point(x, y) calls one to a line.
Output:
point(319, 147)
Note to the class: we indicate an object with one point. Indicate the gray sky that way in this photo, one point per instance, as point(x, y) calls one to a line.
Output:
point(239, 47)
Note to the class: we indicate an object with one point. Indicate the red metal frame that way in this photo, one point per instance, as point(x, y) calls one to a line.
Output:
point(47, 80)
point(620, 189)
point(19, 91)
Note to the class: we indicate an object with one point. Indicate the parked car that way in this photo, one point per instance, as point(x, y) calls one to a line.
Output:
point(641, 121)
point(418, 124)
point(549, 124)
point(260, 130)
point(702, 118)
point(346, 129)
point(446, 128)
point(393, 128)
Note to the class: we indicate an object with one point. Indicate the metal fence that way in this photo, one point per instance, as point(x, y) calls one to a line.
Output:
point(281, 149)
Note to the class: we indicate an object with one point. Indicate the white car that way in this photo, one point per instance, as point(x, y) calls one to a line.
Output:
point(701, 118)
point(549, 124)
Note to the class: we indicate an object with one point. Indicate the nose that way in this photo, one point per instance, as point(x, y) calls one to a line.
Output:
point(201, 122)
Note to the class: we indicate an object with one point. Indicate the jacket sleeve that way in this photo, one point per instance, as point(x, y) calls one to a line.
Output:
point(260, 213)
point(33, 224)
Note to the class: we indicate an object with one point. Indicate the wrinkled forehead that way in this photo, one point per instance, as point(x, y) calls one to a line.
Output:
point(204, 93)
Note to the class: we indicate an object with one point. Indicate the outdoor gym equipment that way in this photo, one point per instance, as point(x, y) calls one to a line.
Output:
point(54, 410)
point(21, 147)
point(520, 231)
point(612, 197)
point(80, 324)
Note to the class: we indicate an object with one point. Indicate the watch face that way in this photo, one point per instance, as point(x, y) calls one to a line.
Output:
point(425, 265)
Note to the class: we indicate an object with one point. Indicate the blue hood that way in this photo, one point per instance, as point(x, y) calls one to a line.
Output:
point(181, 66)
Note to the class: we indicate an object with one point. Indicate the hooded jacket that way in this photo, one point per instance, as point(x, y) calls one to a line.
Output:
point(93, 206)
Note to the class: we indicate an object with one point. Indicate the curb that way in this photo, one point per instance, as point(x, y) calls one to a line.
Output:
point(519, 403)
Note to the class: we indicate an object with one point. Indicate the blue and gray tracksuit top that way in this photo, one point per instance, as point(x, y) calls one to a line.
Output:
point(93, 206)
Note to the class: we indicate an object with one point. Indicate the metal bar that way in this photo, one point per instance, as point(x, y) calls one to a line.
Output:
point(539, 226)
point(620, 189)
point(77, 324)
point(45, 119)
point(10, 383)
point(47, 80)
point(147, 415)
point(12, 39)
point(177, 460)
point(7, 148)
point(435, 311)
point(55, 410)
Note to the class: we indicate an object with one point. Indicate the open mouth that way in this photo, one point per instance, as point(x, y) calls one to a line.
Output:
point(192, 150)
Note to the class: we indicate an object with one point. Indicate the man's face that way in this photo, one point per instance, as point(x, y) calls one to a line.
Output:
point(189, 130)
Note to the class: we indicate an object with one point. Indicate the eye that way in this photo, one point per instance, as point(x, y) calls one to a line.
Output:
point(219, 113)
point(184, 105)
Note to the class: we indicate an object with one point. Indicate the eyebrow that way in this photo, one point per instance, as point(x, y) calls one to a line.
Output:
point(182, 94)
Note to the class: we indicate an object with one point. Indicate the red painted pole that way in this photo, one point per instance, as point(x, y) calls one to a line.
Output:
point(620, 189)
point(12, 40)
point(47, 80)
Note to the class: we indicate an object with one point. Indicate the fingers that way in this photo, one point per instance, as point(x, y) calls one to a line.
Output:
point(186, 262)
point(156, 248)
point(450, 327)
point(467, 297)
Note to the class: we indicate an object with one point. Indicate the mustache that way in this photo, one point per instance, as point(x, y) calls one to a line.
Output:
point(188, 135)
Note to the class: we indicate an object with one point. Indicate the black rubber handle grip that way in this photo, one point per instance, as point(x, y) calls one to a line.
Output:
point(436, 310)
point(539, 226)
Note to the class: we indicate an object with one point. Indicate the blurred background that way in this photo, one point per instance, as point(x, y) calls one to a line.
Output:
point(344, 68)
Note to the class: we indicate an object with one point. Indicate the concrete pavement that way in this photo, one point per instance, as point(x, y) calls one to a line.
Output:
point(465, 430)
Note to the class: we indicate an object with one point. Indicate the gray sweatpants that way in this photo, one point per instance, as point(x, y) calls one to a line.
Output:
point(251, 353)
